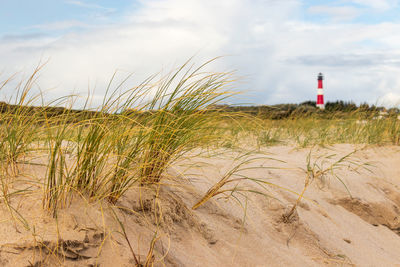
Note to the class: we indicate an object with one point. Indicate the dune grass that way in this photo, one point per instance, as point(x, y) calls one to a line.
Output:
point(129, 140)
point(313, 130)
point(17, 131)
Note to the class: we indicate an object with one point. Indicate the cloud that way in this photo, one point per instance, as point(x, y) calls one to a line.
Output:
point(349, 60)
point(275, 51)
point(336, 13)
point(381, 5)
point(87, 5)
point(60, 25)
point(21, 37)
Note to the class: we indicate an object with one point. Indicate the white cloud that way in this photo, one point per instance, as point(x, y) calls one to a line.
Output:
point(377, 4)
point(60, 25)
point(390, 100)
point(337, 13)
point(87, 5)
point(277, 53)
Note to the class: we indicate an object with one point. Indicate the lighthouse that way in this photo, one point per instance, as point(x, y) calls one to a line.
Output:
point(320, 92)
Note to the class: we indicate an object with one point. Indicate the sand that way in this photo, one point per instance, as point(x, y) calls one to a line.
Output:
point(330, 226)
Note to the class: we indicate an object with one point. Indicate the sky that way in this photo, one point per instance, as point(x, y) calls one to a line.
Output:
point(276, 47)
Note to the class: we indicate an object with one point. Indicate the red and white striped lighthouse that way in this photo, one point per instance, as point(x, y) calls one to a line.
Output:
point(320, 92)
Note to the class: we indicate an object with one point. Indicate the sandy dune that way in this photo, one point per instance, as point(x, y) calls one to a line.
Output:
point(331, 227)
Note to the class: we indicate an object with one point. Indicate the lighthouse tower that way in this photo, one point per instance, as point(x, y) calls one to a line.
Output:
point(320, 92)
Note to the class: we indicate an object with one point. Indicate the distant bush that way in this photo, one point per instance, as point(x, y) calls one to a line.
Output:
point(308, 103)
point(341, 106)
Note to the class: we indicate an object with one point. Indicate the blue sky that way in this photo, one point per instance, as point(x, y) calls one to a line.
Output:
point(365, 12)
point(276, 46)
point(25, 16)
